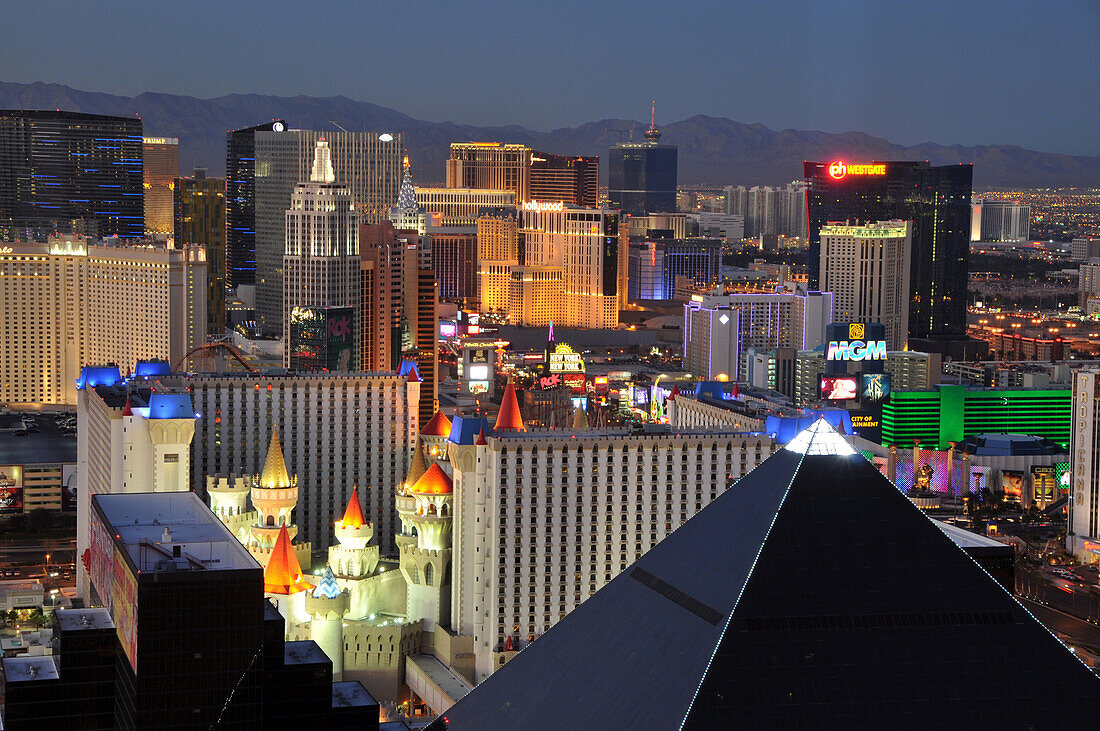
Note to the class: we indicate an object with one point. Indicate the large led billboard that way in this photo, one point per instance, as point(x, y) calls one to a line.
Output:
point(839, 388)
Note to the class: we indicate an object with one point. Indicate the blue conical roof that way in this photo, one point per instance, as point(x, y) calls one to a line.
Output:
point(328, 588)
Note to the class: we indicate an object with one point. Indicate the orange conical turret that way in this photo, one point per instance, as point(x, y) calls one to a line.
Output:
point(434, 482)
point(509, 418)
point(283, 574)
point(353, 516)
point(438, 426)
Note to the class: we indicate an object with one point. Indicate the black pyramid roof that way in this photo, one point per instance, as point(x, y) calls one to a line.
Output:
point(813, 594)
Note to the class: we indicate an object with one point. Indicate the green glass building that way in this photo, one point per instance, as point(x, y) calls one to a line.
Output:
point(952, 413)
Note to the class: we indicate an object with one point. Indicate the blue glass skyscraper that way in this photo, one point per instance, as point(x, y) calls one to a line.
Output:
point(69, 171)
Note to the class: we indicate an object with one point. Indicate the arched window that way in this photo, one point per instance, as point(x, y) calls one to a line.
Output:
point(431, 508)
point(443, 510)
point(428, 575)
point(271, 520)
point(415, 574)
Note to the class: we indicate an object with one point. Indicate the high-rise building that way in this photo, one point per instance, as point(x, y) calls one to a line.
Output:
point(1000, 221)
point(642, 175)
point(455, 263)
point(1083, 535)
point(369, 163)
point(71, 301)
point(497, 251)
point(490, 165)
point(382, 274)
point(240, 179)
point(462, 202)
point(339, 430)
point(530, 174)
point(936, 202)
point(200, 222)
point(1088, 282)
point(584, 243)
point(536, 295)
point(160, 168)
point(321, 272)
point(70, 172)
point(599, 499)
point(866, 267)
point(1084, 248)
point(181, 636)
point(129, 439)
point(655, 265)
point(769, 210)
point(566, 178)
point(748, 621)
point(717, 328)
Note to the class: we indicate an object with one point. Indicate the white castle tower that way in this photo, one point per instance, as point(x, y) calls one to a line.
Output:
point(355, 558)
point(426, 557)
point(274, 495)
point(327, 605)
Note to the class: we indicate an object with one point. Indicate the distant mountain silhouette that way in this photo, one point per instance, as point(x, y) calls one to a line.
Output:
point(713, 150)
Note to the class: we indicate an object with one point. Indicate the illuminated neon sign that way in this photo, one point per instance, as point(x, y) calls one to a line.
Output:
point(856, 350)
point(839, 169)
point(541, 206)
point(6, 250)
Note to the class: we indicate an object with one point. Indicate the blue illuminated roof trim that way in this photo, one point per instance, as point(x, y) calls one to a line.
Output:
point(170, 406)
point(92, 376)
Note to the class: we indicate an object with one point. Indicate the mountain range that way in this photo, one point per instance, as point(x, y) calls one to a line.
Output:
point(713, 150)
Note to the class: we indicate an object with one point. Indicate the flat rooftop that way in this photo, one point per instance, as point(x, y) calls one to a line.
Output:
point(27, 668)
point(351, 693)
point(81, 619)
point(455, 687)
point(304, 652)
point(151, 525)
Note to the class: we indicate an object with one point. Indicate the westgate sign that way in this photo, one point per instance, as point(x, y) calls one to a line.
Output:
point(839, 169)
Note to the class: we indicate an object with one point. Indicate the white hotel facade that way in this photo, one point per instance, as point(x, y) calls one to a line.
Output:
point(71, 302)
point(544, 519)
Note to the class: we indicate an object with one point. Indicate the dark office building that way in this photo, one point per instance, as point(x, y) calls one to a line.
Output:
point(186, 639)
point(936, 199)
point(813, 594)
point(70, 172)
point(240, 174)
point(454, 259)
point(641, 176)
point(199, 220)
point(566, 178)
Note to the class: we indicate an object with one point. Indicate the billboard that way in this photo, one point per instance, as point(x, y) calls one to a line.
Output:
point(68, 487)
point(1012, 484)
point(341, 338)
point(11, 489)
point(101, 563)
point(873, 388)
point(124, 598)
point(839, 388)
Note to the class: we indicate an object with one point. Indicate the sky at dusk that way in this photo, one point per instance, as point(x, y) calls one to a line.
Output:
point(979, 72)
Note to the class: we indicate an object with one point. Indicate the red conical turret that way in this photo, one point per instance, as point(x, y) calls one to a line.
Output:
point(353, 516)
point(480, 442)
point(509, 417)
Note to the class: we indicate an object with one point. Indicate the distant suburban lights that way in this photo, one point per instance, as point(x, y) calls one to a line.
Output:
point(838, 169)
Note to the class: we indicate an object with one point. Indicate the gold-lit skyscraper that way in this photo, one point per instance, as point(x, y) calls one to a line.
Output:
point(160, 168)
